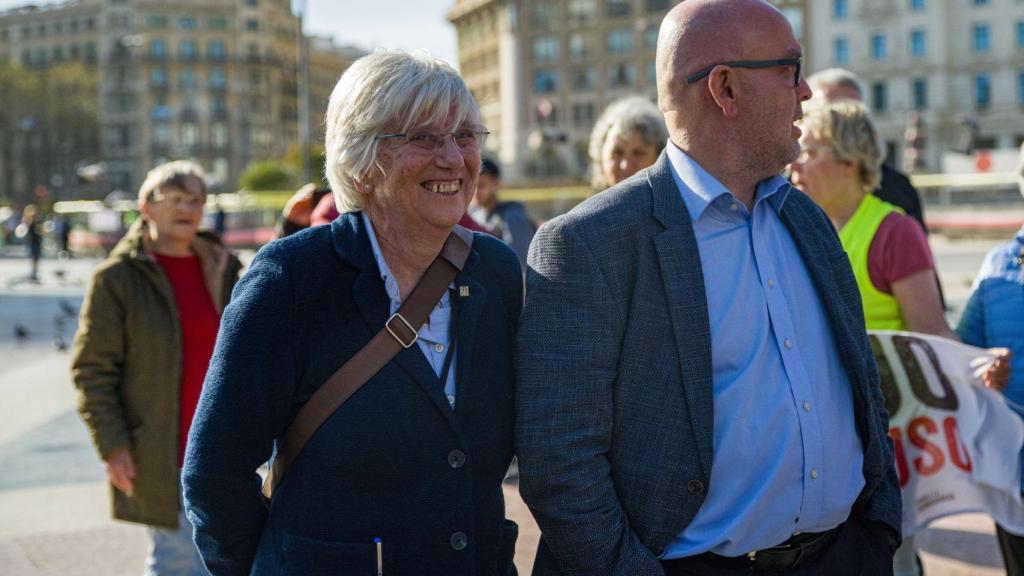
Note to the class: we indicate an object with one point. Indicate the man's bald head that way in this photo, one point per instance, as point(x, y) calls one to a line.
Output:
point(699, 33)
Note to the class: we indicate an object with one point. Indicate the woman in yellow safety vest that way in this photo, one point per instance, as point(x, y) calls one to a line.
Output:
point(838, 167)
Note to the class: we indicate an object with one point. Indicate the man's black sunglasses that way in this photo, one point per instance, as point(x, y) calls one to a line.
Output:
point(797, 62)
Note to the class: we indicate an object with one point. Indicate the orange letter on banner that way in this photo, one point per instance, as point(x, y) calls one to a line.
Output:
point(901, 457)
point(955, 445)
point(918, 440)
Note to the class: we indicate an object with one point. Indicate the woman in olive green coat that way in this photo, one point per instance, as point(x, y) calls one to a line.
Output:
point(145, 337)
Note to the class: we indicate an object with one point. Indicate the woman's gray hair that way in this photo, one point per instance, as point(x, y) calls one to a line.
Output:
point(387, 91)
point(846, 128)
point(630, 115)
point(171, 174)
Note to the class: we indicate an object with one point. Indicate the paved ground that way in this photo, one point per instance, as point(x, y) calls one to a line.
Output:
point(53, 515)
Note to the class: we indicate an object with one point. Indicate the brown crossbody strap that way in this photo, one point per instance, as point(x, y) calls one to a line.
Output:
point(399, 332)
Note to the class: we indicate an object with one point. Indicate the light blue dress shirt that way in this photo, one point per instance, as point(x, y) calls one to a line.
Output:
point(433, 335)
point(787, 456)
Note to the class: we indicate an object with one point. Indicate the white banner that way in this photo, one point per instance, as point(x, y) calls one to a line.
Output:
point(957, 443)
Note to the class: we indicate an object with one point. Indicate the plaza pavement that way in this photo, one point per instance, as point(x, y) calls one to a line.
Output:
point(53, 500)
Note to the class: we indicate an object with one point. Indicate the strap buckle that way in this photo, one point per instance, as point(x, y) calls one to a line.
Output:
point(394, 334)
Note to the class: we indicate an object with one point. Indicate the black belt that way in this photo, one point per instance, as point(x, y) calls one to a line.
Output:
point(796, 551)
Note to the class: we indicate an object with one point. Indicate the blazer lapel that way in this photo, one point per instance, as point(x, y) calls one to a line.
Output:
point(683, 280)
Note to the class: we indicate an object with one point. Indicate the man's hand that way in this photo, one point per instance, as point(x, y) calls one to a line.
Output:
point(998, 374)
point(121, 470)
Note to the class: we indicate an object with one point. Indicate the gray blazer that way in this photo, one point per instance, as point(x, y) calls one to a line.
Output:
point(614, 393)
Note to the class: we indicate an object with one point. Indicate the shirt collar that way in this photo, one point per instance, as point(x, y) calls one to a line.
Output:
point(699, 188)
point(390, 284)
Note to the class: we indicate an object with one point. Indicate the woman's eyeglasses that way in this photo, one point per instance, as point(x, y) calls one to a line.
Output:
point(797, 63)
point(467, 139)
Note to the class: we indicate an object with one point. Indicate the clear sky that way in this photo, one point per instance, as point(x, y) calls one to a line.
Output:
point(405, 24)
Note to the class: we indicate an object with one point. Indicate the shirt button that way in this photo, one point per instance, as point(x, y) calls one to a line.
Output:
point(771, 283)
point(456, 459)
point(439, 347)
point(451, 399)
point(695, 487)
point(788, 343)
point(807, 406)
point(458, 541)
point(814, 473)
point(734, 206)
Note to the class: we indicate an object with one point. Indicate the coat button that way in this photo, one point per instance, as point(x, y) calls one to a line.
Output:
point(458, 541)
point(695, 487)
point(456, 458)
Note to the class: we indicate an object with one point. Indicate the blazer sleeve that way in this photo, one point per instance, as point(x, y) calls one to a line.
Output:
point(567, 353)
point(244, 406)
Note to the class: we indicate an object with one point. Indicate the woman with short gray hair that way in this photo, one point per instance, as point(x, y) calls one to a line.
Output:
point(628, 136)
point(403, 474)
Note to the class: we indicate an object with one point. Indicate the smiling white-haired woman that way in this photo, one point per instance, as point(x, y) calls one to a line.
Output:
point(404, 477)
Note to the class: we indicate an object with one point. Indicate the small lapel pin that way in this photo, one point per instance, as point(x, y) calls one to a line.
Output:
point(463, 291)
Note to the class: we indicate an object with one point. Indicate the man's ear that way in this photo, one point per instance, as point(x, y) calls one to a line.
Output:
point(723, 84)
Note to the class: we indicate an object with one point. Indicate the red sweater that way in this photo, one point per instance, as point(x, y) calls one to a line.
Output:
point(199, 322)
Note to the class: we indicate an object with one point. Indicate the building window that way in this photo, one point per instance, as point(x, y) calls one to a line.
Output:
point(217, 23)
point(73, 27)
point(219, 135)
point(878, 47)
point(76, 52)
point(189, 49)
point(982, 91)
point(840, 9)
point(190, 134)
point(58, 54)
point(158, 77)
point(621, 75)
point(156, 21)
point(90, 23)
point(651, 37)
point(879, 97)
point(252, 2)
point(543, 15)
point(218, 106)
point(981, 38)
point(980, 2)
point(620, 41)
point(158, 49)
point(617, 8)
point(841, 51)
point(188, 78)
point(162, 133)
point(917, 43)
point(1020, 88)
point(58, 27)
point(584, 78)
point(1020, 34)
point(217, 79)
point(90, 52)
point(579, 46)
point(545, 81)
point(657, 5)
point(916, 5)
point(919, 89)
point(187, 23)
point(581, 12)
point(252, 25)
point(545, 49)
point(216, 50)
point(652, 74)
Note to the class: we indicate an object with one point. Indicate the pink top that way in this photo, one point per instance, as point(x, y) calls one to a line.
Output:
point(898, 250)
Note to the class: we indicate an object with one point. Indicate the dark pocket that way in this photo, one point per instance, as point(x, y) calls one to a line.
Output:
point(310, 557)
point(507, 548)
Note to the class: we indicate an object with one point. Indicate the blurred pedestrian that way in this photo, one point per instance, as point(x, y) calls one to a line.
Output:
point(31, 229)
point(403, 473)
point(627, 137)
point(220, 219)
point(506, 219)
point(145, 337)
point(297, 213)
point(695, 389)
point(994, 316)
point(62, 229)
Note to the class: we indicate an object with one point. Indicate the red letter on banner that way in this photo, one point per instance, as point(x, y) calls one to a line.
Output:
point(918, 440)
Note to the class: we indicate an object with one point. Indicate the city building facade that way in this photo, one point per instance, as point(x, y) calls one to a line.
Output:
point(210, 80)
point(544, 70)
point(955, 65)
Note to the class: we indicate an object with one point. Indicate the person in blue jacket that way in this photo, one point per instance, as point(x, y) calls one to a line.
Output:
point(994, 316)
point(414, 458)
